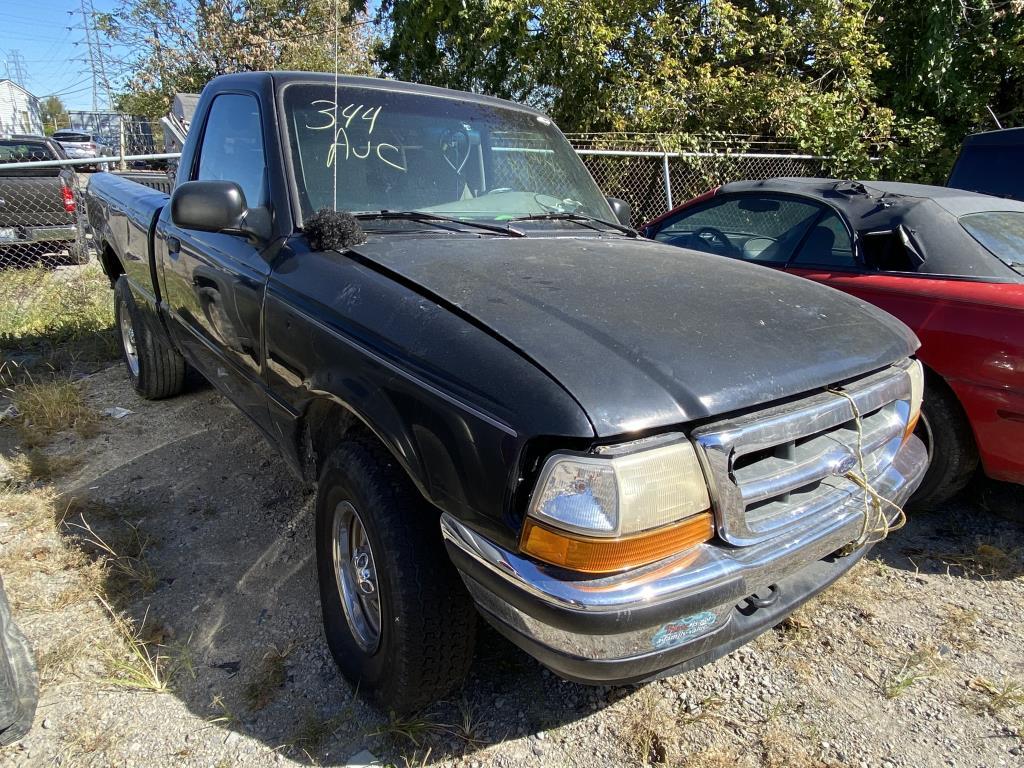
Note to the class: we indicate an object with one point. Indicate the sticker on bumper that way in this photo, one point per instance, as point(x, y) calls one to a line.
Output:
point(683, 630)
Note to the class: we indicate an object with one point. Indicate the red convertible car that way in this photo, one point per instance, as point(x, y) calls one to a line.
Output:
point(948, 263)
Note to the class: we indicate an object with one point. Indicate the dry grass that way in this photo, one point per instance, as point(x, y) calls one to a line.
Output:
point(224, 714)
point(268, 678)
point(46, 407)
point(959, 628)
point(783, 749)
point(128, 571)
point(314, 730)
point(59, 660)
point(987, 560)
point(922, 665)
point(648, 730)
point(137, 664)
point(997, 697)
point(44, 467)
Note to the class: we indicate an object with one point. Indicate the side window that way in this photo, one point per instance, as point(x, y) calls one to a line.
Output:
point(888, 251)
point(232, 148)
point(762, 228)
point(828, 244)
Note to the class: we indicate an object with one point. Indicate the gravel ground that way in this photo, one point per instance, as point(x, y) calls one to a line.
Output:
point(915, 659)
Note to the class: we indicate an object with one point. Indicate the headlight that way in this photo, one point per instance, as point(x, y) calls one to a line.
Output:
point(916, 374)
point(626, 506)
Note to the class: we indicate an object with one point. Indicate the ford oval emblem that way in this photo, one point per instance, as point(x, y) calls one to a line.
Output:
point(844, 465)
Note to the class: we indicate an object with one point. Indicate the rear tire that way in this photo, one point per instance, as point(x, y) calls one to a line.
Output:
point(425, 620)
point(154, 368)
point(952, 454)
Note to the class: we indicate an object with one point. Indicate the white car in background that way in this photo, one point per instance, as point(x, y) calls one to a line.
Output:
point(80, 145)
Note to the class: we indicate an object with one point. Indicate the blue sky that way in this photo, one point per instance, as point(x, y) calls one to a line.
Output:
point(55, 57)
point(50, 38)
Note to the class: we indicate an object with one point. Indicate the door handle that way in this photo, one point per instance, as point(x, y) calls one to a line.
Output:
point(173, 245)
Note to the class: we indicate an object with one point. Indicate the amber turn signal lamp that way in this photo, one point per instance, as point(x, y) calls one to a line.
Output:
point(596, 555)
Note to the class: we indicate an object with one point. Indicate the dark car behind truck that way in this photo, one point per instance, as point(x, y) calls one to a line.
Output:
point(629, 458)
point(991, 162)
point(38, 205)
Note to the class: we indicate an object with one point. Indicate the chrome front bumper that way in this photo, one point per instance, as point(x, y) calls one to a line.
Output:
point(675, 614)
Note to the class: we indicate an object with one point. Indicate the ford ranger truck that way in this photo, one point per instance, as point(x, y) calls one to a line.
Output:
point(629, 458)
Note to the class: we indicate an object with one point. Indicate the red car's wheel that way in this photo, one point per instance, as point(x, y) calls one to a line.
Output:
point(952, 454)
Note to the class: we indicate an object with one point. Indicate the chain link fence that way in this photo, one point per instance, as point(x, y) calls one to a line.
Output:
point(41, 219)
point(44, 221)
point(653, 182)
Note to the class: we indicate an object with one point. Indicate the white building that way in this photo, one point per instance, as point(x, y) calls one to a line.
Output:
point(19, 110)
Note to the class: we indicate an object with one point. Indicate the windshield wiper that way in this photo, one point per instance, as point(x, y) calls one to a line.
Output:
point(578, 218)
point(433, 218)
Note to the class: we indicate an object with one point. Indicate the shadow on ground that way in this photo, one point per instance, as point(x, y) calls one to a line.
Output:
point(964, 539)
point(190, 487)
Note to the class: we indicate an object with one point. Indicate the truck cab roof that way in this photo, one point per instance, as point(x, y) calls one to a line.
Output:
point(281, 79)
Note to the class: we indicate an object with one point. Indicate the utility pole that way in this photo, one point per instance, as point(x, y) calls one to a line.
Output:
point(100, 82)
point(16, 68)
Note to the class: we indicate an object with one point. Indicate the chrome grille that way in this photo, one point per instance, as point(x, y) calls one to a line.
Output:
point(772, 469)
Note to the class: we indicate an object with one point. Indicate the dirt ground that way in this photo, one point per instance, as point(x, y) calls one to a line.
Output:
point(915, 659)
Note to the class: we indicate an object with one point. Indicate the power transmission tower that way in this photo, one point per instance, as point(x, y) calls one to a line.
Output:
point(101, 92)
point(16, 68)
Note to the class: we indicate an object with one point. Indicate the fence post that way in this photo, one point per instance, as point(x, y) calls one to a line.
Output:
point(120, 123)
point(668, 181)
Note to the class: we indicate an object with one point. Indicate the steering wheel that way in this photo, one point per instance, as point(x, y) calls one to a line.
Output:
point(715, 239)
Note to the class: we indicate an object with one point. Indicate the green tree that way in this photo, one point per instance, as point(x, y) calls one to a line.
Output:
point(54, 114)
point(803, 70)
point(179, 45)
point(950, 63)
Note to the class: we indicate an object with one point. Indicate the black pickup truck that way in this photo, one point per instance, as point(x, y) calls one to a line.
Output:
point(630, 458)
point(38, 205)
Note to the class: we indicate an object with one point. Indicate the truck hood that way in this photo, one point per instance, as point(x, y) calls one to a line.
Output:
point(645, 335)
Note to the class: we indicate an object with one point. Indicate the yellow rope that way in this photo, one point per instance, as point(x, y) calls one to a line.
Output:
point(876, 526)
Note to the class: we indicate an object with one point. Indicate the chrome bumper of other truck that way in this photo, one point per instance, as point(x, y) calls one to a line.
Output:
point(29, 235)
point(679, 612)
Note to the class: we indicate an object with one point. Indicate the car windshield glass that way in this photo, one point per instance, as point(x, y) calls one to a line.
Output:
point(1001, 232)
point(379, 149)
point(13, 151)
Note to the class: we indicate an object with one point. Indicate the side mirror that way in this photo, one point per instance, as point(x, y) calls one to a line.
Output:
point(623, 211)
point(218, 206)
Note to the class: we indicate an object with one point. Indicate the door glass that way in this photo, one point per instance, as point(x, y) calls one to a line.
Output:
point(828, 244)
point(232, 148)
point(762, 228)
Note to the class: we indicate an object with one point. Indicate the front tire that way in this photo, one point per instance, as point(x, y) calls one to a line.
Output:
point(952, 453)
point(154, 368)
point(398, 620)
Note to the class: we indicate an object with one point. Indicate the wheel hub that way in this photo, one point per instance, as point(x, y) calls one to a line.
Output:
point(131, 351)
point(355, 574)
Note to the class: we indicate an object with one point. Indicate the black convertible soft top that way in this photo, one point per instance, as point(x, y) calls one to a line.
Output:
point(931, 214)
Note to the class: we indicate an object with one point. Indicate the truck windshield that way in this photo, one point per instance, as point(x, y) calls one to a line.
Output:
point(374, 149)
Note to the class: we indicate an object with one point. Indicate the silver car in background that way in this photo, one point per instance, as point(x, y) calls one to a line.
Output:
point(80, 145)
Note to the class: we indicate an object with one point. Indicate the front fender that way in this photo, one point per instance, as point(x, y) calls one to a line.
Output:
point(456, 406)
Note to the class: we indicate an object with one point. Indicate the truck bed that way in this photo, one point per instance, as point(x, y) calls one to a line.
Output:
point(122, 214)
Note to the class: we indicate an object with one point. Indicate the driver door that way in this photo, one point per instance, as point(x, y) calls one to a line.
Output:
point(762, 228)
